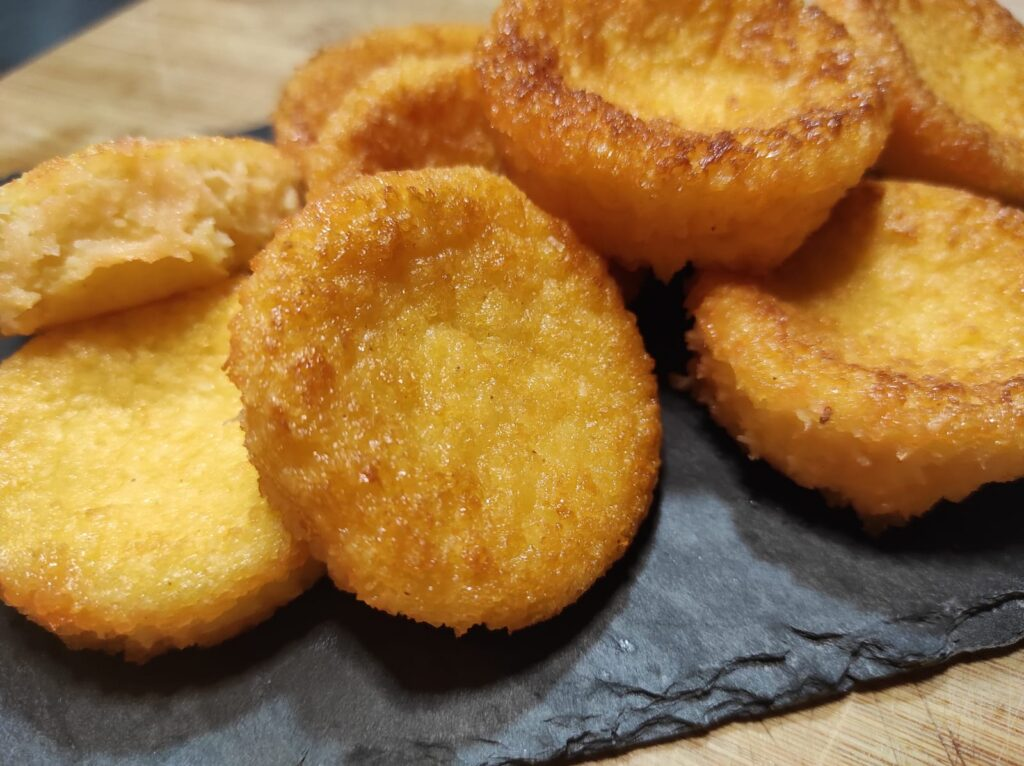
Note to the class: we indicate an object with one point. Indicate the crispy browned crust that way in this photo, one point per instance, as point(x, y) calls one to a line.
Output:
point(414, 113)
point(445, 396)
point(857, 414)
point(652, 192)
point(932, 138)
point(318, 86)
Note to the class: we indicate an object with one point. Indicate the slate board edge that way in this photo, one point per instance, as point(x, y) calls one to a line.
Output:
point(868, 663)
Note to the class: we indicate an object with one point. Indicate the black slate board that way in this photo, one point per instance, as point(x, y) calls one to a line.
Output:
point(742, 595)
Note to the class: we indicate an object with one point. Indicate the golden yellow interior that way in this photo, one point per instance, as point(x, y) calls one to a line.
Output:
point(969, 55)
point(127, 501)
point(917, 278)
point(708, 66)
point(120, 227)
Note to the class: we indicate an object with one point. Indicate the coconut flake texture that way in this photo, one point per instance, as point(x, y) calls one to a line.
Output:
point(446, 397)
point(124, 223)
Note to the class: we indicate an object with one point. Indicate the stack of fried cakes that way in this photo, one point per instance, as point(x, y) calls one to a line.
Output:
point(396, 347)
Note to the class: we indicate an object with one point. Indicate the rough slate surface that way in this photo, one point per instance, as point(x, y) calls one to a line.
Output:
point(742, 595)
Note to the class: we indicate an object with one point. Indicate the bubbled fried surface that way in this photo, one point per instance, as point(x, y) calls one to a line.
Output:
point(884, 362)
point(444, 394)
point(125, 223)
point(317, 88)
point(130, 518)
point(666, 132)
point(412, 114)
point(956, 72)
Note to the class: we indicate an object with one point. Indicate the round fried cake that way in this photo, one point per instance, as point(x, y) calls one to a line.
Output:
point(884, 362)
point(128, 222)
point(415, 113)
point(956, 71)
point(445, 396)
point(318, 87)
point(667, 132)
point(130, 517)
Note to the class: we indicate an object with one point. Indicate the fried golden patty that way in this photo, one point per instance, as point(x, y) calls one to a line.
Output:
point(444, 394)
point(317, 88)
point(884, 362)
point(412, 114)
point(956, 72)
point(130, 518)
point(719, 133)
point(124, 223)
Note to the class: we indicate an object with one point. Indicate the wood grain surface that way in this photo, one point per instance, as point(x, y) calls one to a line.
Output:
point(178, 67)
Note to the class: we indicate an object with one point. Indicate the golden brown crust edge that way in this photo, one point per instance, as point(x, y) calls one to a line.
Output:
point(929, 139)
point(410, 114)
point(554, 139)
point(891, 442)
point(85, 632)
point(317, 87)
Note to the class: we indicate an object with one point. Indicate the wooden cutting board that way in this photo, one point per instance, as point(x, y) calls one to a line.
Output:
point(177, 67)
